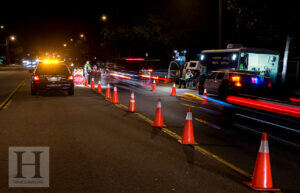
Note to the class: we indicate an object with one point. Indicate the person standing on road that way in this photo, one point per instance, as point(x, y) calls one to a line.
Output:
point(189, 79)
point(87, 70)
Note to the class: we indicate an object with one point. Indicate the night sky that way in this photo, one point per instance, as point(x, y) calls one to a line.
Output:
point(39, 24)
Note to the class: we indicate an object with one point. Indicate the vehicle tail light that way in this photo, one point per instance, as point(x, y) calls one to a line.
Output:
point(269, 84)
point(238, 84)
point(235, 78)
point(70, 77)
point(36, 78)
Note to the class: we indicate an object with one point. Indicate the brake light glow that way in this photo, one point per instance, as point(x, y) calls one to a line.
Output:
point(135, 59)
point(295, 100)
point(264, 105)
point(120, 75)
point(237, 84)
point(71, 77)
point(235, 78)
point(36, 78)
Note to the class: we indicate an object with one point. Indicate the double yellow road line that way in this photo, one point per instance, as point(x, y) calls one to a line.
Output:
point(8, 100)
point(196, 147)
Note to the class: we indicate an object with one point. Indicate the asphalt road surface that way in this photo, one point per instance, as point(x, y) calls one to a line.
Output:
point(99, 147)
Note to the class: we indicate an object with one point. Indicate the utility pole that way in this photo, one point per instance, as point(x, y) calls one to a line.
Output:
point(7, 51)
point(220, 25)
point(285, 59)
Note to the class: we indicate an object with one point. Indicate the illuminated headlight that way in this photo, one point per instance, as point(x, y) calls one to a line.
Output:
point(202, 57)
point(234, 56)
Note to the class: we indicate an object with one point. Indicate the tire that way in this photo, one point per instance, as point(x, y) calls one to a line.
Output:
point(224, 91)
point(33, 92)
point(71, 92)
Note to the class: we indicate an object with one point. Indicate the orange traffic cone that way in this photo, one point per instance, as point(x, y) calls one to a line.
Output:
point(262, 178)
point(115, 99)
point(93, 84)
point(158, 120)
point(86, 83)
point(107, 94)
point(188, 131)
point(173, 90)
point(204, 101)
point(99, 89)
point(131, 107)
point(154, 85)
point(165, 80)
point(205, 92)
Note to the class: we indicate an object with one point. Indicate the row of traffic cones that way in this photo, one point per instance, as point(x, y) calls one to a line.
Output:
point(173, 93)
point(262, 177)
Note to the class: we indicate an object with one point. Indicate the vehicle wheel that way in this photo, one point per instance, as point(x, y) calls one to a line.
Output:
point(223, 91)
point(33, 92)
point(71, 92)
point(201, 90)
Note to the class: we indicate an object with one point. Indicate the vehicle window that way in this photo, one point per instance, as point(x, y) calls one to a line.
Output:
point(212, 75)
point(192, 64)
point(52, 69)
point(220, 75)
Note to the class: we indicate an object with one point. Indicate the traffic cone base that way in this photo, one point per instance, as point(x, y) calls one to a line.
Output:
point(262, 177)
point(261, 189)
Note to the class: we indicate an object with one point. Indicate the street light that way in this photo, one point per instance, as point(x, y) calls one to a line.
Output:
point(65, 45)
point(81, 35)
point(103, 17)
point(71, 39)
point(12, 38)
point(2, 27)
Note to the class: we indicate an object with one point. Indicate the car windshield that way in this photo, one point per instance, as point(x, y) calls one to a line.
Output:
point(45, 69)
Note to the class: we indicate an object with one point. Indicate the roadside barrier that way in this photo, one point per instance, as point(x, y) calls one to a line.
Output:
point(188, 131)
point(131, 107)
point(262, 177)
point(158, 120)
point(115, 99)
point(99, 89)
point(173, 93)
point(107, 94)
point(154, 85)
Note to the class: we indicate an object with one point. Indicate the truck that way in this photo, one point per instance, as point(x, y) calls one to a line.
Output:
point(261, 64)
point(177, 72)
